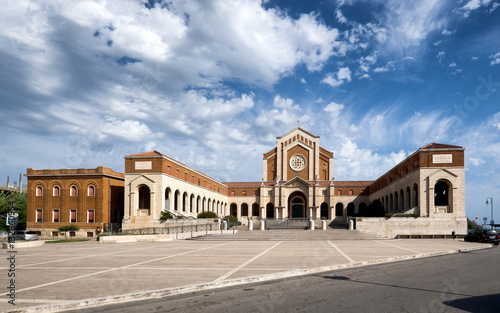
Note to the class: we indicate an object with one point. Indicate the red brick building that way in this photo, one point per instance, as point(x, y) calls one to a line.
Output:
point(87, 198)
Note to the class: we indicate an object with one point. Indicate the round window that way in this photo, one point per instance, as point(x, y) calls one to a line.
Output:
point(297, 162)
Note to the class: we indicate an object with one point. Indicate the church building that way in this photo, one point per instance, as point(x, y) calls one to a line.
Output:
point(426, 190)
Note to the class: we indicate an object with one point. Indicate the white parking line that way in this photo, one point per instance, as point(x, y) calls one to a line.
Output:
point(388, 244)
point(342, 252)
point(119, 268)
point(231, 272)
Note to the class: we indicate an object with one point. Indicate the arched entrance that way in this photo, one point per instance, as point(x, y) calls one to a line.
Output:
point(297, 205)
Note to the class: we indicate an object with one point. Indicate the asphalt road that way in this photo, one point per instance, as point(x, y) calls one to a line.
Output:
point(464, 282)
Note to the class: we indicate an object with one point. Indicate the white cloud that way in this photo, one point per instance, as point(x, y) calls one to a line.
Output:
point(447, 32)
point(286, 104)
point(495, 59)
point(388, 67)
point(335, 80)
point(128, 130)
point(303, 80)
point(440, 56)
point(340, 17)
point(473, 5)
point(476, 161)
point(453, 64)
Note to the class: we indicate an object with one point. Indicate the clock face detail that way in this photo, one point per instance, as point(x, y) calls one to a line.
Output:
point(297, 162)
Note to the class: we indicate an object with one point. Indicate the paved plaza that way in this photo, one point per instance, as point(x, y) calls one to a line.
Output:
point(72, 275)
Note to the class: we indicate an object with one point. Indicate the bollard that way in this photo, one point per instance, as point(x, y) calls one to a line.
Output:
point(250, 225)
point(262, 225)
point(312, 225)
point(351, 224)
point(323, 224)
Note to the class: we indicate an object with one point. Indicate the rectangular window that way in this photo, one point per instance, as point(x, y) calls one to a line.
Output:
point(192, 179)
point(244, 193)
point(350, 192)
point(55, 216)
point(55, 234)
point(39, 216)
point(90, 216)
point(90, 234)
point(72, 234)
point(324, 192)
point(339, 192)
point(185, 176)
point(168, 170)
point(72, 216)
point(232, 193)
point(177, 174)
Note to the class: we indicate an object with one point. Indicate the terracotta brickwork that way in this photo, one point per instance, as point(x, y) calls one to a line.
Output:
point(138, 163)
point(94, 195)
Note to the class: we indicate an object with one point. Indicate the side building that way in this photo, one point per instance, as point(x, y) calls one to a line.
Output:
point(87, 198)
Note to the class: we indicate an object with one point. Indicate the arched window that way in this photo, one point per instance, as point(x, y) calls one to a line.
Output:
point(56, 192)
point(339, 209)
point(351, 209)
point(39, 191)
point(441, 193)
point(270, 210)
point(244, 209)
point(324, 210)
point(233, 211)
point(144, 197)
point(255, 210)
point(73, 191)
point(91, 191)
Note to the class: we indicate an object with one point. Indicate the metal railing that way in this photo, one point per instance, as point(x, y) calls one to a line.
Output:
point(172, 229)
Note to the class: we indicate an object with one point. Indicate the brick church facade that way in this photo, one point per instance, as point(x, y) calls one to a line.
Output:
point(297, 182)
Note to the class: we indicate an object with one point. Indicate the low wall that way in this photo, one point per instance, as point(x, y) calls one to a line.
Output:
point(134, 238)
point(23, 244)
point(156, 238)
point(394, 226)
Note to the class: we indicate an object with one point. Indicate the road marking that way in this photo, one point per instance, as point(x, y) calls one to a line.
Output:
point(231, 272)
point(119, 268)
point(342, 252)
point(388, 244)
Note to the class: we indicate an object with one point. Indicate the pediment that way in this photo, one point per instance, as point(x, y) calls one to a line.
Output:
point(142, 176)
point(297, 182)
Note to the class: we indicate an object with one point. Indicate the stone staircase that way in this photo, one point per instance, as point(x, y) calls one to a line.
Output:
point(292, 235)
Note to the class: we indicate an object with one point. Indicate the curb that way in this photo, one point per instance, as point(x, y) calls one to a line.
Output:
point(155, 294)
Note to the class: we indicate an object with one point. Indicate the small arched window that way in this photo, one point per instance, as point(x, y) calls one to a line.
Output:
point(91, 191)
point(56, 192)
point(441, 196)
point(73, 191)
point(39, 191)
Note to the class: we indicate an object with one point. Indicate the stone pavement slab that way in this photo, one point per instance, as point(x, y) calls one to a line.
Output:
point(65, 275)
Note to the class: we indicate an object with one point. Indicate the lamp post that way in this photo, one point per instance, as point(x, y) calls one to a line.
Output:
point(491, 210)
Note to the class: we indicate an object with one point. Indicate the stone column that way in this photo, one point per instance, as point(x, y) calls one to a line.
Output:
point(250, 225)
point(311, 224)
point(262, 225)
point(323, 225)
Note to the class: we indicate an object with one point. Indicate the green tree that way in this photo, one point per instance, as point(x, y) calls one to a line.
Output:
point(472, 224)
point(20, 204)
point(165, 215)
point(68, 228)
point(207, 214)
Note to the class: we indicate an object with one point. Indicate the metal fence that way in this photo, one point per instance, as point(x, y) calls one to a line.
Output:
point(287, 223)
point(173, 229)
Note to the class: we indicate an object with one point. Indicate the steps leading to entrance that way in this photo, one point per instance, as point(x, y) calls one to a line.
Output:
point(292, 235)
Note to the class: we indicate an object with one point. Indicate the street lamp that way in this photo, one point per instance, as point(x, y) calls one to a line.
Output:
point(491, 222)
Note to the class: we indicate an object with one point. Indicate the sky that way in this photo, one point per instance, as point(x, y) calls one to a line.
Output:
point(213, 83)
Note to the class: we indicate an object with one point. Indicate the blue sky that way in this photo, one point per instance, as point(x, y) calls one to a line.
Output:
point(212, 83)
